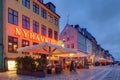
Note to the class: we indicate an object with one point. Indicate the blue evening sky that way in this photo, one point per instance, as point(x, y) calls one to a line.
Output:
point(100, 17)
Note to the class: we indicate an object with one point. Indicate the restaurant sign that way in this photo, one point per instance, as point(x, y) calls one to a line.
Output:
point(34, 36)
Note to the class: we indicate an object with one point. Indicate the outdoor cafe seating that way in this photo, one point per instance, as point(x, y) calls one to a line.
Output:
point(52, 49)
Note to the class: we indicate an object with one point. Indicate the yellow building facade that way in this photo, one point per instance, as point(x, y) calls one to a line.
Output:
point(25, 23)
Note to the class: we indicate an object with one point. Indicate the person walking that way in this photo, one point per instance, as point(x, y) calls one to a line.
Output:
point(73, 66)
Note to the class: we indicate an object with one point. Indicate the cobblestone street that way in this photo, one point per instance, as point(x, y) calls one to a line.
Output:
point(94, 73)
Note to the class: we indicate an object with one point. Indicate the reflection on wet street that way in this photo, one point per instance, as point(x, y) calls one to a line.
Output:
point(94, 73)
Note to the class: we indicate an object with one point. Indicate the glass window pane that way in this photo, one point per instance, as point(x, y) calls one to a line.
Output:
point(10, 18)
point(15, 20)
point(10, 11)
point(12, 44)
point(15, 14)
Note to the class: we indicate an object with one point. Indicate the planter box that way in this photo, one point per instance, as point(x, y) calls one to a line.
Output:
point(29, 73)
point(36, 74)
point(19, 72)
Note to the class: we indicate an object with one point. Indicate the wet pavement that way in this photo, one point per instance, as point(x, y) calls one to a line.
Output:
point(94, 73)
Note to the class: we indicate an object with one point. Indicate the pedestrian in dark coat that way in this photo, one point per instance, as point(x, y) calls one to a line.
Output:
point(73, 66)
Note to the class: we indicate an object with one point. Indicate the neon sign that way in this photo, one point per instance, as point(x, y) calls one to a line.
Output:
point(33, 36)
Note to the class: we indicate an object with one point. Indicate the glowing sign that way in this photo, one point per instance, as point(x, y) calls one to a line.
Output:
point(33, 36)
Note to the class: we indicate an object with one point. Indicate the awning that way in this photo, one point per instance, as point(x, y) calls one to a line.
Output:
point(81, 54)
point(104, 60)
point(47, 48)
point(78, 54)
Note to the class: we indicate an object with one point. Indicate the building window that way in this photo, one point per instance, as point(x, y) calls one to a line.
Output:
point(12, 16)
point(43, 13)
point(50, 18)
point(26, 3)
point(68, 38)
point(12, 44)
point(43, 32)
point(25, 22)
point(68, 46)
point(55, 35)
point(34, 43)
point(50, 33)
point(35, 27)
point(56, 22)
point(35, 53)
point(72, 46)
point(35, 8)
point(25, 43)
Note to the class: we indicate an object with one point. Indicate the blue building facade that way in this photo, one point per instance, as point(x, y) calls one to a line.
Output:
point(1, 37)
point(81, 39)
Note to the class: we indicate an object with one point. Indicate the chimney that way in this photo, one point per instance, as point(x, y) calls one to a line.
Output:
point(71, 25)
point(77, 26)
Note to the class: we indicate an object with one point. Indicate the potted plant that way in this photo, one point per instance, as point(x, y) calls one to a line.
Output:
point(29, 66)
point(25, 65)
point(19, 65)
point(41, 64)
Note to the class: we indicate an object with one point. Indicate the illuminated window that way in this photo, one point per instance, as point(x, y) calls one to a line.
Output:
point(25, 22)
point(26, 3)
point(35, 53)
point(55, 35)
point(12, 16)
point(34, 43)
point(35, 27)
point(43, 32)
point(50, 33)
point(25, 43)
point(43, 13)
point(35, 8)
point(12, 44)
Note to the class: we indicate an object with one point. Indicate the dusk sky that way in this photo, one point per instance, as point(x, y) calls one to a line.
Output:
point(100, 17)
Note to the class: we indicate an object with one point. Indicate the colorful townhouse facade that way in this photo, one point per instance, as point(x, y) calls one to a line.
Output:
point(72, 38)
point(90, 45)
point(80, 39)
point(108, 56)
point(75, 37)
point(24, 23)
point(103, 55)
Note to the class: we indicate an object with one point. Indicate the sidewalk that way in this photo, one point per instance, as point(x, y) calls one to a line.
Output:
point(94, 73)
